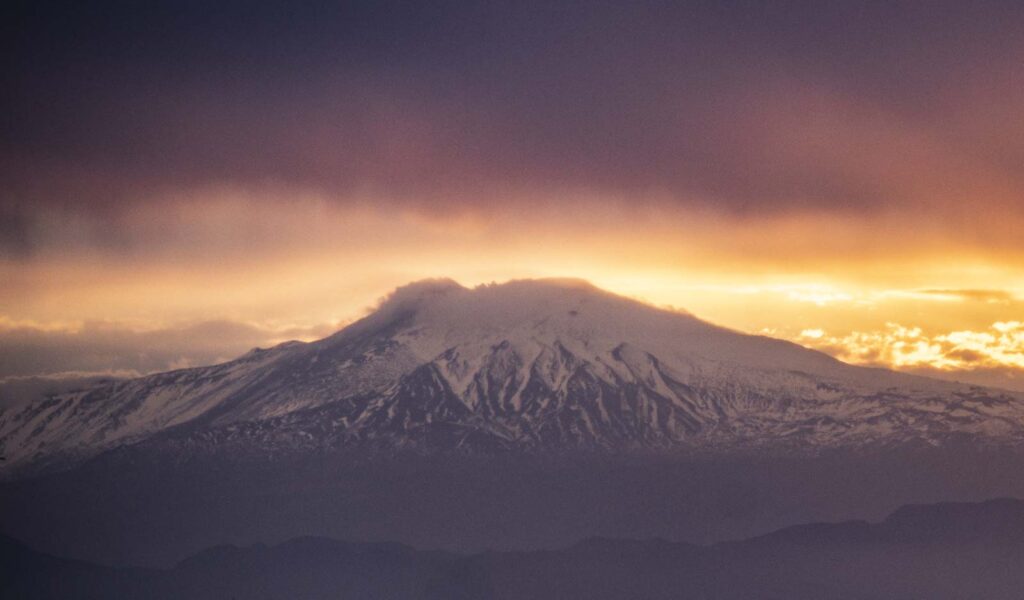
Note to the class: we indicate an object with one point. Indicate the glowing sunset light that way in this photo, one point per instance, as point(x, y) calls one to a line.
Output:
point(801, 193)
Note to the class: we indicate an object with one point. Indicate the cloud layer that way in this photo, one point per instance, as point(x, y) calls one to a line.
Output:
point(118, 350)
point(853, 109)
point(993, 356)
point(281, 164)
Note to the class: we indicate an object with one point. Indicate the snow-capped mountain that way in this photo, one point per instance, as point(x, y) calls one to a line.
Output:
point(527, 365)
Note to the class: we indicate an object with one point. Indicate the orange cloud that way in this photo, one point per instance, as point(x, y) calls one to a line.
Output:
point(999, 346)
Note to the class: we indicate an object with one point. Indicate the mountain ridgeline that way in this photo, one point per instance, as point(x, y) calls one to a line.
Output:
point(944, 551)
point(526, 415)
point(537, 366)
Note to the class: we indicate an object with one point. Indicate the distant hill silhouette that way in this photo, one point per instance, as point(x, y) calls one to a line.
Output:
point(937, 551)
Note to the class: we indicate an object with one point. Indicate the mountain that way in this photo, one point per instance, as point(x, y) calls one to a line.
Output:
point(549, 365)
point(522, 416)
point(939, 551)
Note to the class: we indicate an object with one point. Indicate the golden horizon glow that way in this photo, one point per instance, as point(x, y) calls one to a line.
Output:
point(922, 300)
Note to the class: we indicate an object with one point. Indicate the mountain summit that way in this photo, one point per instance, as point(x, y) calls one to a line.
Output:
point(533, 365)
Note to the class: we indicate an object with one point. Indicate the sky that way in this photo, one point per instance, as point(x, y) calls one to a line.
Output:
point(183, 181)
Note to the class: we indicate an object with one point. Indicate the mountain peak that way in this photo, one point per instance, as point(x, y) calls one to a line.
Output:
point(411, 294)
point(443, 304)
point(551, 363)
point(434, 316)
point(565, 283)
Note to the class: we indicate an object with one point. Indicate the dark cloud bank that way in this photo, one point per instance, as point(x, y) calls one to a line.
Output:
point(744, 107)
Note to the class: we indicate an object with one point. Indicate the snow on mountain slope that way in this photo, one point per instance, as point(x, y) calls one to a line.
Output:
point(549, 364)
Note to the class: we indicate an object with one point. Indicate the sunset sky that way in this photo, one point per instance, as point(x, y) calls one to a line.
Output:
point(181, 182)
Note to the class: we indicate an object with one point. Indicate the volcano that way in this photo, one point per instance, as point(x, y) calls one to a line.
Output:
point(521, 415)
point(538, 366)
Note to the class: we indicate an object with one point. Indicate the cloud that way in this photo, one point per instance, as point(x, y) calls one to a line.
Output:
point(176, 160)
point(994, 355)
point(18, 391)
point(116, 349)
point(444, 108)
point(991, 296)
point(1007, 378)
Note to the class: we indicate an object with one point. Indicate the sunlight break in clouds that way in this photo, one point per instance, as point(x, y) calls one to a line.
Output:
point(793, 183)
point(1000, 346)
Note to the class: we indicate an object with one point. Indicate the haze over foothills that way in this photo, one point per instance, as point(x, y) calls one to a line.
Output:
point(181, 182)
